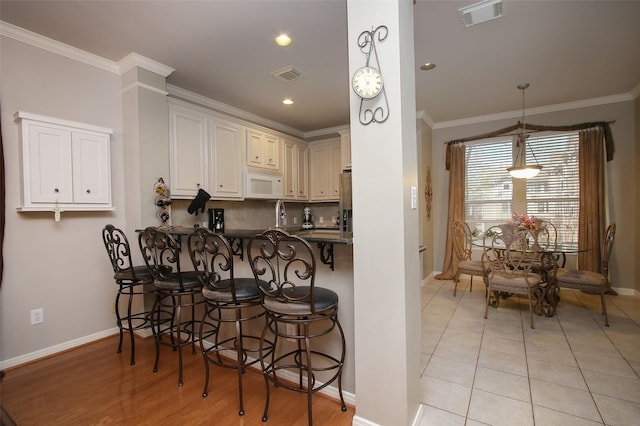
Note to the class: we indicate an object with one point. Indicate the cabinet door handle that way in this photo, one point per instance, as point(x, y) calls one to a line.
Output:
point(56, 190)
point(88, 191)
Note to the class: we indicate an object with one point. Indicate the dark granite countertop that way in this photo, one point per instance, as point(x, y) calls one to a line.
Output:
point(315, 235)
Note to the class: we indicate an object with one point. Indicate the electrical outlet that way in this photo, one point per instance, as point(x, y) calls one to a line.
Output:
point(37, 316)
point(295, 220)
point(321, 220)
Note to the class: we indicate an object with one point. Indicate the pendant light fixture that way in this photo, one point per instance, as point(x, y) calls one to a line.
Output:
point(520, 169)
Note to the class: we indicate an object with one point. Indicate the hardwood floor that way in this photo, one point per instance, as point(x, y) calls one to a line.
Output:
point(93, 385)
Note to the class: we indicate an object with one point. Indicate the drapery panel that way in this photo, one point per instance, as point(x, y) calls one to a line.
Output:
point(457, 179)
point(592, 220)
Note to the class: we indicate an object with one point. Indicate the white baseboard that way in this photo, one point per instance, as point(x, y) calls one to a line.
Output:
point(52, 350)
point(417, 419)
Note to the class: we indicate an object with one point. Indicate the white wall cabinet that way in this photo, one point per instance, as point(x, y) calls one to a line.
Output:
point(324, 170)
point(263, 150)
point(295, 170)
point(226, 159)
point(205, 151)
point(345, 144)
point(66, 165)
point(188, 148)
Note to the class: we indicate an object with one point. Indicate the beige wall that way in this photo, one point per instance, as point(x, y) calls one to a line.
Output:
point(426, 159)
point(622, 207)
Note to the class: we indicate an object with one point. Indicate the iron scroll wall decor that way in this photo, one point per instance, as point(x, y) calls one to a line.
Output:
point(376, 109)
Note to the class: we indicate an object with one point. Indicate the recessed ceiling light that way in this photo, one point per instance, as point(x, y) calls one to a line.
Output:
point(427, 66)
point(287, 101)
point(283, 40)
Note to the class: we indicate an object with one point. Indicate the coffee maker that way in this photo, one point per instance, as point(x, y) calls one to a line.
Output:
point(216, 220)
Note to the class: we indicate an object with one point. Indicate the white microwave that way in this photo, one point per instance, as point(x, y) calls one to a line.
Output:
point(263, 186)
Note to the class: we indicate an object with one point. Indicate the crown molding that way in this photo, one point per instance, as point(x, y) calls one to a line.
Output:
point(54, 46)
point(133, 60)
point(329, 131)
point(186, 95)
point(535, 111)
point(422, 115)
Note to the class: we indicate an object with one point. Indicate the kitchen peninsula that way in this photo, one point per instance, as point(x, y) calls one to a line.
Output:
point(248, 217)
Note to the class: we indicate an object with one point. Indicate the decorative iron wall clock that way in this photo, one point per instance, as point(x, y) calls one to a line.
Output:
point(367, 82)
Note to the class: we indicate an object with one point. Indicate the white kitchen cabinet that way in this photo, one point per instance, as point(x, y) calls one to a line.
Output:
point(295, 167)
point(345, 144)
point(324, 170)
point(303, 171)
point(66, 165)
point(188, 148)
point(263, 150)
point(226, 159)
point(205, 152)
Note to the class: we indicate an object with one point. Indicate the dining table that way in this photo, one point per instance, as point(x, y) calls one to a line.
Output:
point(551, 258)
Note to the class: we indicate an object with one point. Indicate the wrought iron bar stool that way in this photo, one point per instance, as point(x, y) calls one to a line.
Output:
point(133, 280)
point(231, 303)
point(175, 289)
point(296, 310)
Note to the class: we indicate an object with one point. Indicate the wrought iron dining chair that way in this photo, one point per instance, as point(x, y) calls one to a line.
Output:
point(231, 304)
point(134, 281)
point(284, 267)
point(462, 248)
point(175, 289)
point(513, 262)
point(589, 281)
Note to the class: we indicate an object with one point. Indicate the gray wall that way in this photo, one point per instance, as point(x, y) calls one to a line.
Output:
point(58, 266)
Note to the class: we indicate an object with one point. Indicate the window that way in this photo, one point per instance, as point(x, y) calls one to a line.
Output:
point(552, 195)
point(555, 193)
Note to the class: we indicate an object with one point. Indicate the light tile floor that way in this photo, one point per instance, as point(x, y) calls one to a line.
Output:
point(569, 370)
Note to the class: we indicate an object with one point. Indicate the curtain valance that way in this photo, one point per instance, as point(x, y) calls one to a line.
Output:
point(605, 125)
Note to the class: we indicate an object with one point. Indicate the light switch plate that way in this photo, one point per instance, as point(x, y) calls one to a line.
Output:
point(414, 197)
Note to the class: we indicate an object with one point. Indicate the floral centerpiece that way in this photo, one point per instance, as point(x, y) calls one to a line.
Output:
point(523, 220)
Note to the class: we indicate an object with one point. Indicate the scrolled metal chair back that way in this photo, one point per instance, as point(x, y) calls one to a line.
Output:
point(510, 250)
point(212, 259)
point(462, 240)
point(118, 249)
point(284, 266)
point(545, 235)
point(161, 253)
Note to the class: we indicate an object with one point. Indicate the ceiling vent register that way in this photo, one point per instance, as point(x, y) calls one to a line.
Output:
point(288, 74)
point(480, 12)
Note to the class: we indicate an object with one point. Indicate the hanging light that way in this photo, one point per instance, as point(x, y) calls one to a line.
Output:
point(520, 169)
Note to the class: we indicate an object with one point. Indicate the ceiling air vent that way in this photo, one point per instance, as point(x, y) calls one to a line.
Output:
point(480, 12)
point(287, 74)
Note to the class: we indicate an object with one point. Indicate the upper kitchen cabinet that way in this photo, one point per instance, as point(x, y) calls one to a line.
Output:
point(345, 144)
point(295, 170)
point(65, 164)
point(226, 159)
point(263, 150)
point(205, 152)
point(188, 148)
point(324, 170)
